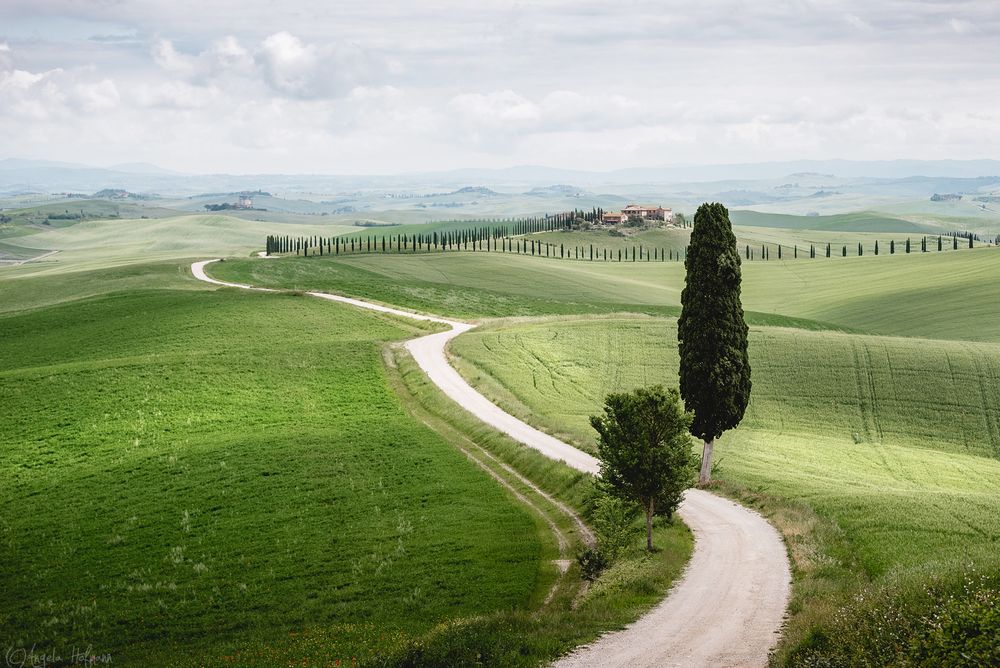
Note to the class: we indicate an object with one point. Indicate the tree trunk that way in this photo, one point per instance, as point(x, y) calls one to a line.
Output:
point(649, 526)
point(706, 462)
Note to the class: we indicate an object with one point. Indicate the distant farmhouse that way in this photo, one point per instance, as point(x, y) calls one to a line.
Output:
point(245, 202)
point(638, 212)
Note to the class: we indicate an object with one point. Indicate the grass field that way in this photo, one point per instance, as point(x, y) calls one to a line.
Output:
point(189, 472)
point(893, 442)
point(863, 221)
point(99, 244)
point(948, 295)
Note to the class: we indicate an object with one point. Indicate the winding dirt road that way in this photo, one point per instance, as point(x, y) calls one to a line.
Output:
point(727, 608)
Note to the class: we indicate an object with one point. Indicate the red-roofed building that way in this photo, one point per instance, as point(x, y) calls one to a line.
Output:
point(648, 211)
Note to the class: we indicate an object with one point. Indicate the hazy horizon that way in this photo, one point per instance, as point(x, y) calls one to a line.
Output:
point(379, 88)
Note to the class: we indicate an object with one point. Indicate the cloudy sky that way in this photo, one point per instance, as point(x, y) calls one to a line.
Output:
point(339, 86)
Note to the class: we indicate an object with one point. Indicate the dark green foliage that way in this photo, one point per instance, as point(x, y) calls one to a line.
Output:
point(711, 331)
point(645, 450)
point(592, 564)
point(612, 520)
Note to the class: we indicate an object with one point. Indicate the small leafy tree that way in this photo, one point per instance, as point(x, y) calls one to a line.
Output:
point(644, 449)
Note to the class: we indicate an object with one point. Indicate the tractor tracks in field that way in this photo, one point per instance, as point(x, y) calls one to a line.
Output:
point(726, 609)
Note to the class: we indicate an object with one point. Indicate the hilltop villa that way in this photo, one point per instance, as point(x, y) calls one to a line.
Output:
point(644, 212)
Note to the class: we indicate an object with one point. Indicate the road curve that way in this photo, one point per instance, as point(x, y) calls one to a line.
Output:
point(727, 608)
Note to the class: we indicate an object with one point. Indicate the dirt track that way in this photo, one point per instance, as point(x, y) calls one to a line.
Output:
point(727, 608)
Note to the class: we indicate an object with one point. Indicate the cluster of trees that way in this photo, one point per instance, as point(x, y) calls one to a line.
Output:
point(592, 216)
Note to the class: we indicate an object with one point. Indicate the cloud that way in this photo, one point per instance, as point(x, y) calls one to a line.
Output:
point(282, 62)
point(311, 71)
point(96, 97)
point(961, 26)
point(168, 58)
point(6, 57)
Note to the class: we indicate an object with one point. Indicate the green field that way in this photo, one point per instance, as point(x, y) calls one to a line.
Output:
point(893, 442)
point(948, 295)
point(99, 244)
point(864, 221)
point(189, 472)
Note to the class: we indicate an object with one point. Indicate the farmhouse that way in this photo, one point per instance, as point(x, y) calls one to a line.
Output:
point(640, 212)
point(647, 211)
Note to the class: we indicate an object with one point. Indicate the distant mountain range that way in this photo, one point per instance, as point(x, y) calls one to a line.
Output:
point(27, 176)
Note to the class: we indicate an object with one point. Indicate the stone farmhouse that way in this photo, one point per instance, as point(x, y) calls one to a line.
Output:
point(641, 211)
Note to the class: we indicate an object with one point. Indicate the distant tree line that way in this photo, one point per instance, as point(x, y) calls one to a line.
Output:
point(506, 236)
point(475, 240)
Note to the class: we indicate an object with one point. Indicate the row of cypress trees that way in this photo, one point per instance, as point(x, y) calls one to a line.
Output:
point(499, 236)
point(752, 253)
point(450, 241)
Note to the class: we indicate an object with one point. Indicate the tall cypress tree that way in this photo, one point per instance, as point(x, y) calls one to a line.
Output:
point(711, 331)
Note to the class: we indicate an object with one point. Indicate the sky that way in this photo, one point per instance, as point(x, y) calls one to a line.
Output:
point(346, 87)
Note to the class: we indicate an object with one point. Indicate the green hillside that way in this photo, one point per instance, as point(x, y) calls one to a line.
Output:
point(893, 443)
point(941, 295)
point(189, 472)
point(863, 221)
point(97, 244)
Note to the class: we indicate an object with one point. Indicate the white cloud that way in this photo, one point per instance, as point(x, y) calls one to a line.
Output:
point(167, 57)
point(961, 26)
point(290, 65)
point(96, 97)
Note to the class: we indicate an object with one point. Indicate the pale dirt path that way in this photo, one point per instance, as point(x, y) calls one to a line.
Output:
point(727, 608)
